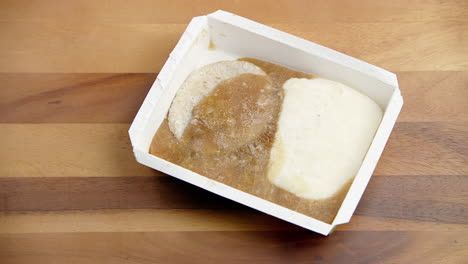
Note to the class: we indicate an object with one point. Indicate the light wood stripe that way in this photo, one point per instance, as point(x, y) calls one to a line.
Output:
point(96, 48)
point(115, 98)
point(114, 48)
point(144, 11)
point(88, 150)
point(186, 220)
point(437, 96)
point(74, 150)
point(393, 46)
point(139, 221)
point(363, 223)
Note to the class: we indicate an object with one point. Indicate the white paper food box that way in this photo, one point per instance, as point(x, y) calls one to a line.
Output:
point(235, 37)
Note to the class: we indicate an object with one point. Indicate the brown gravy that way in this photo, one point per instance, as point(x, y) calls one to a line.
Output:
point(230, 137)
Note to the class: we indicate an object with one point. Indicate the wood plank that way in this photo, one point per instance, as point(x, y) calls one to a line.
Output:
point(283, 11)
point(426, 148)
point(68, 150)
point(140, 221)
point(93, 193)
point(369, 223)
point(62, 47)
point(423, 198)
point(416, 198)
point(88, 150)
point(113, 48)
point(72, 98)
point(393, 46)
point(147, 220)
point(434, 96)
point(218, 247)
point(115, 98)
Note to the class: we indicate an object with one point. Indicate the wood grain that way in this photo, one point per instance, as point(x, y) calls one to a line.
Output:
point(74, 73)
point(427, 198)
point(151, 220)
point(110, 47)
point(434, 96)
point(140, 221)
point(68, 150)
point(213, 247)
point(418, 148)
point(283, 11)
point(72, 98)
point(93, 193)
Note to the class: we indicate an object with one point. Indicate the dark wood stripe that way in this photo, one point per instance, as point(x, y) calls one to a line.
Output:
point(421, 148)
point(424, 198)
point(90, 193)
point(235, 247)
point(115, 98)
point(72, 98)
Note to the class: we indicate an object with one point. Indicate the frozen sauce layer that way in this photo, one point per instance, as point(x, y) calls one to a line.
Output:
point(324, 131)
point(223, 124)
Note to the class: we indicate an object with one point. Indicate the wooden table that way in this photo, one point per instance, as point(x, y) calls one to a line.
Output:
point(74, 73)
